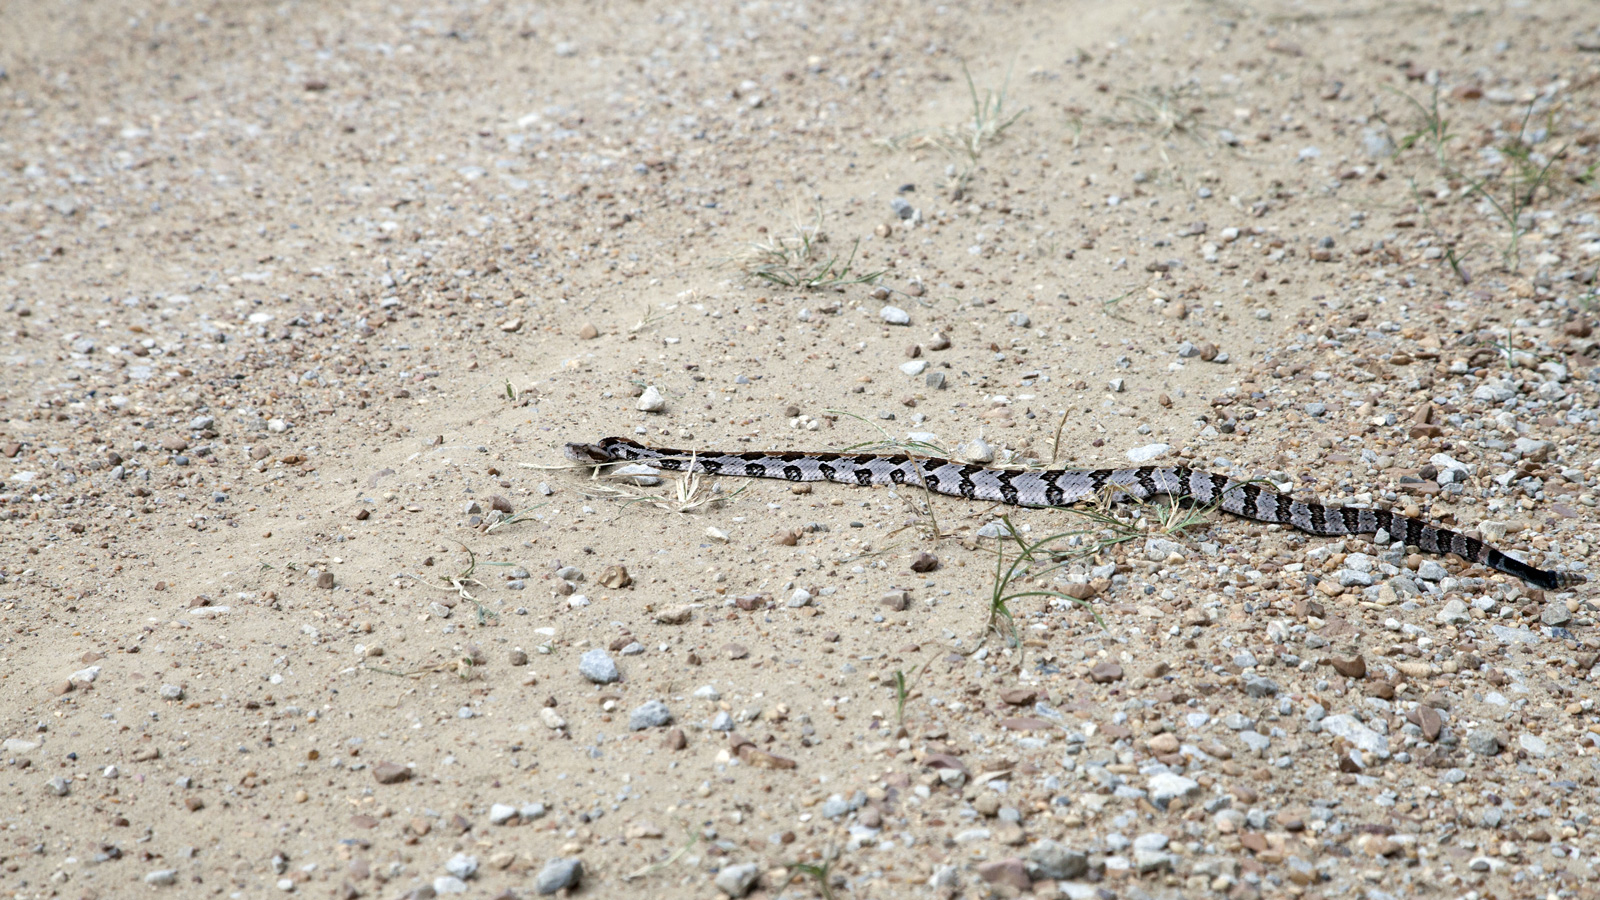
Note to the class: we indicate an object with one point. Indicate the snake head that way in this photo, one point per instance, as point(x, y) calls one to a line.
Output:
point(588, 454)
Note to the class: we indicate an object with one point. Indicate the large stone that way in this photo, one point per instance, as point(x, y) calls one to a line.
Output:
point(1048, 860)
point(1358, 734)
point(1165, 787)
point(558, 873)
point(598, 666)
point(1009, 871)
point(736, 881)
point(653, 714)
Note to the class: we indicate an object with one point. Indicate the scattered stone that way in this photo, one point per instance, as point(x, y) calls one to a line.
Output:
point(736, 881)
point(1010, 871)
point(924, 562)
point(558, 873)
point(1358, 734)
point(462, 866)
point(1165, 787)
point(588, 332)
point(390, 773)
point(161, 877)
point(651, 400)
point(652, 714)
point(1105, 672)
point(1148, 452)
point(598, 666)
point(1355, 667)
point(616, 577)
point(894, 315)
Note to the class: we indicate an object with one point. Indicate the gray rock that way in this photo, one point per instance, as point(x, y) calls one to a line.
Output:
point(501, 813)
point(834, 807)
point(1153, 841)
point(598, 666)
point(1259, 687)
point(1244, 659)
point(722, 722)
point(736, 881)
point(1534, 745)
point(1536, 450)
point(1255, 740)
point(1555, 613)
point(1352, 578)
point(161, 877)
point(1352, 730)
point(174, 692)
point(1484, 742)
point(448, 884)
point(1164, 787)
point(201, 423)
point(1159, 549)
point(1430, 570)
point(462, 866)
point(1505, 634)
point(1454, 613)
point(1019, 319)
point(531, 811)
point(1148, 452)
point(558, 873)
point(1048, 860)
point(653, 714)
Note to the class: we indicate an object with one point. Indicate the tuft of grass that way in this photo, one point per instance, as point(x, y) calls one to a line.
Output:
point(902, 693)
point(822, 874)
point(694, 838)
point(1526, 178)
point(798, 259)
point(966, 141)
point(1434, 129)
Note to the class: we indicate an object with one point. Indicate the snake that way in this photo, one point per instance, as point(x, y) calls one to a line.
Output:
point(1050, 488)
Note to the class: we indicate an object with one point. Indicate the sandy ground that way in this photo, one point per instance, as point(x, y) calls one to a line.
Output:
point(301, 301)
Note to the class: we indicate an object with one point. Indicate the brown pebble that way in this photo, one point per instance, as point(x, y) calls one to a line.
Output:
point(1575, 328)
point(1254, 842)
point(1079, 591)
point(1166, 742)
point(517, 658)
point(161, 586)
point(924, 562)
point(390, 773)
point(363, 514)
point(786, 538)
point(1164, 401)
point(174, 443)
point(588, 332)
point(735, 651)
point(259, 453)
point(616, 577)
point(870, 817)
point(1105, 672)
point(898, 601)
point(675, 740)
point(511, 326)
point(1429, 720)
point(913, 350)
point(1354, 667)
point(500, 504)
point(325, 581)
point(676, 615)
point(748, 602)
point(11, 450)
point(61, 688)
point(1158, 670)
point(1020, 696)
point(1011, 872)
point(1208, 351)
point(194, 804)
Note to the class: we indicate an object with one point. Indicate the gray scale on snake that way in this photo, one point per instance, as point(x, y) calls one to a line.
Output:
point(1062, 487)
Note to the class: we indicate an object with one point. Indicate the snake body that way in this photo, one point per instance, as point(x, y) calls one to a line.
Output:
point(1062, 487)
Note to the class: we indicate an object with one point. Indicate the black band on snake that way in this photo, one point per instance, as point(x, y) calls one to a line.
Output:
point(1062, 487)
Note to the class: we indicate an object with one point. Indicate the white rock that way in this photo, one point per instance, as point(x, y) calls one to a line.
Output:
point(914, 367)
point(651, 400)
point(1148, 452)
point(894, 315)
point(551, 718)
